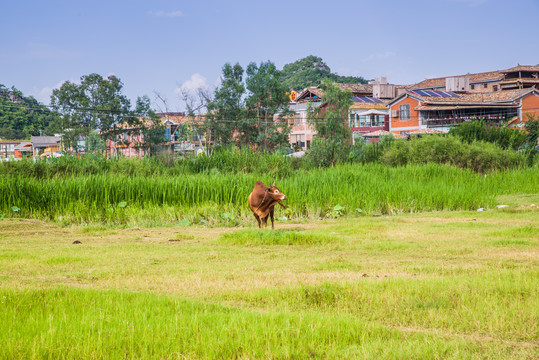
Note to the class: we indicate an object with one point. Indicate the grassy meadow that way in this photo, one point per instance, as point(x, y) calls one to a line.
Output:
point(161, 259)
point(430, 285)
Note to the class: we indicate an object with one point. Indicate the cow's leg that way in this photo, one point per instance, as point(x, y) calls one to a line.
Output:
point(271, 216)
point(264, 221)
point(257, 219)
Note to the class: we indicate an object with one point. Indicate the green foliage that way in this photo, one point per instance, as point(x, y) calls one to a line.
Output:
point(330, 121)
point(22, 117)
point(168, 198)
point(266, 98)
point(477, 156)
point(363, 152)
point(248, 108)
point(499, 134)
point(96, 104)
point(337, 211)
point(532, 129)
point(147, 124)
point(95, 144)
point(326, 153)
point(224, 160)
point(532, 144)
point(227, 106)
point(312, 71)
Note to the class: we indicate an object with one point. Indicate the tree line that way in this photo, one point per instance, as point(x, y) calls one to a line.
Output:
point(240, 111)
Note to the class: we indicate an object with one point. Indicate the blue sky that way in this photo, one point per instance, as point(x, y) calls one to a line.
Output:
point(165, 44)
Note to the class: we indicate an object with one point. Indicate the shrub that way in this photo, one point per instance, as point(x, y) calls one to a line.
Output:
point(499, 134)
point(478, 156)
point(370, 152)
point(326, 153)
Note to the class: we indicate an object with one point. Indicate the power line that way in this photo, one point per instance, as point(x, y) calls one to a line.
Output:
point(50, 108)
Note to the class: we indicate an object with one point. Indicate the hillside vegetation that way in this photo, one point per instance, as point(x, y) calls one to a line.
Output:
point(22, 116)
point(312, 71)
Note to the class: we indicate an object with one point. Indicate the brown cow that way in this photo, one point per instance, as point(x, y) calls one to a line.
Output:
point(262, 201)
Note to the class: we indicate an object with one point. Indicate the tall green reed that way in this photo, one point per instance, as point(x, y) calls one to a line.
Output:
point(366, 189)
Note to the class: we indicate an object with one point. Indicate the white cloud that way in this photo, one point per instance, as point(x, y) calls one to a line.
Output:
point(43, 95)
point(170, 14)
point(379, 56)
point(196, 81)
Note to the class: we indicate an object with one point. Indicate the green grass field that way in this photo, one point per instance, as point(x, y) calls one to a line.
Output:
point(431, 285)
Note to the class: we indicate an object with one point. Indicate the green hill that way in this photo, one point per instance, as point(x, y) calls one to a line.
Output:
point(21, 116)
point(311, 71)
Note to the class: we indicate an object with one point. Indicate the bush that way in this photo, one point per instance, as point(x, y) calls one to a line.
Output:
point(478, 156)
point(398, 154)
point(326, 153)
point(370, 152)
point(499, 134)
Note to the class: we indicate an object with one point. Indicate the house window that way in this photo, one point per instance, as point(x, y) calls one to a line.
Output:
point(364, 121)
point(485, 86)
point(378, 120)
point(495, 88)
point(472, 87)
point(353, 120)
point(404, 112)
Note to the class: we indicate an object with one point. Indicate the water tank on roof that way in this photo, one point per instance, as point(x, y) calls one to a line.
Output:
point(457, 84)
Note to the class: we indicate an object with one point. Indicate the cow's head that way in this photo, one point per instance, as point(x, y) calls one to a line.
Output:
point(275, 193)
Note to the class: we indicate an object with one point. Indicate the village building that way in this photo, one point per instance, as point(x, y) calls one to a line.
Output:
point(129, 140)
point(45, 146)
point(24, 149)
point(421, 109)
point(470, 83)
point(7, 148)
point(367, 115)
point(368, 112)
point(302, 133)
point(520, 77)
point(176, 139)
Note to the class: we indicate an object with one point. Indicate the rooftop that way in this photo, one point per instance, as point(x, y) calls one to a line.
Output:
point(44, 140)
point(505, 96)
point(356, 88)
point(522, 68)
point(440, 82)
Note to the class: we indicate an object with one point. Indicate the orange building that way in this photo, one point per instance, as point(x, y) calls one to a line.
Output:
point(421, 109)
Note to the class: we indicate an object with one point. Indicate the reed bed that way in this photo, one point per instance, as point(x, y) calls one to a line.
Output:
point(222, 198)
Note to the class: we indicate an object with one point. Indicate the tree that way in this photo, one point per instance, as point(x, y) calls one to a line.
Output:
point(94, 104)
point(95, 144)
point(227, 106)
point(330, 120)
point(267, 100)
point(148, 125)
point(195, 100)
